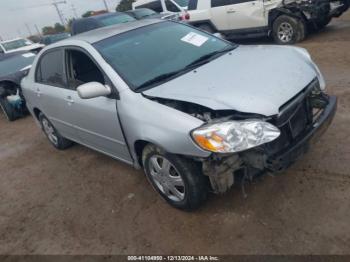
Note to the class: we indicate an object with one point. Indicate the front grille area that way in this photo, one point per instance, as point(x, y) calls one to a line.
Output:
point(296, 119)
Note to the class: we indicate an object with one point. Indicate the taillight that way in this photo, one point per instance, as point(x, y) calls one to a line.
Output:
point(185, 16)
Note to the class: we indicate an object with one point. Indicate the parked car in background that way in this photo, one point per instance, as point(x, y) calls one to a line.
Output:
point(162, 6)
point(93, 22)
point(286, 21)
point(50, 39)
point(13, 67)
point(19, 44)
point(195, 112)
point(145, 13)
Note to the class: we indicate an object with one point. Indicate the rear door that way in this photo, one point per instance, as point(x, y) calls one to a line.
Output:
point(219, 16)
point(246, 14)
point(50, 88)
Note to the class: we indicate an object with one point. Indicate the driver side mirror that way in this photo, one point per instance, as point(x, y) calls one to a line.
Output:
point(93, 90)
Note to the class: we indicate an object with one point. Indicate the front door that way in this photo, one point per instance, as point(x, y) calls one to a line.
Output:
point(96, 119)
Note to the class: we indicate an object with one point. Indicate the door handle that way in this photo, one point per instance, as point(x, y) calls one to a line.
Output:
point(231, 11)
point(38, 92)
point(69, 100)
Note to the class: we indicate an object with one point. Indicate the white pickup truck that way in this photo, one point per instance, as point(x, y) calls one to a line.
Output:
point(287, 21)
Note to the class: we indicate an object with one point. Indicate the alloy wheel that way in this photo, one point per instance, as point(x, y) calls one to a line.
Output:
point(285, 32)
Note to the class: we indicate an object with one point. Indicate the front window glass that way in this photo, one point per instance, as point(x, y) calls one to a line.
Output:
point(116, 19)
point(15, 44)
point(157, 50)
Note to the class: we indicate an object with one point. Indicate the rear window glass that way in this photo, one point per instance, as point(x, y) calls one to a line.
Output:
point(50, 70)
point(192, 5)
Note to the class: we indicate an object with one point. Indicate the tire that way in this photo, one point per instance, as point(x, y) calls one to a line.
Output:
point(287, 30)
point(8, 110)
point(52, 135)
point(207, 28)
point(178, 180)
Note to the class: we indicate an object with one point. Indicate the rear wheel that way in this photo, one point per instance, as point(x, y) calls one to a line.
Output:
point(178, 180)
point(51, 133)
point(288, 30)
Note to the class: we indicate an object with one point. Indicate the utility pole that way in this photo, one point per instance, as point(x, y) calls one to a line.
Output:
point(37, 29)
point(60, 15)
point(106, 6)
point(74, 11)
point(29, 31)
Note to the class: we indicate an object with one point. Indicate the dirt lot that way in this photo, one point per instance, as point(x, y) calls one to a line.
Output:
point(82, 202)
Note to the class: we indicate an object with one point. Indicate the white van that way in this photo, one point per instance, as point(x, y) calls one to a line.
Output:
point(162, 6)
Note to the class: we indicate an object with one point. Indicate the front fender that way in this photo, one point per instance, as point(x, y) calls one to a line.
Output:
point(168, 128)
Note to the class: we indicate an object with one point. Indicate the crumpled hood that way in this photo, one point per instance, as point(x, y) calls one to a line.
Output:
point(252, 79)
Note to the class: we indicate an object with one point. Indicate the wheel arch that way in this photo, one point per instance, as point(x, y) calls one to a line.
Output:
point(275, 13)
point(36, 112)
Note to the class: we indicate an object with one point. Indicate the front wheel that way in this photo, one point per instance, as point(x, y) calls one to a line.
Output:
point(288, 30)
point(178, 180)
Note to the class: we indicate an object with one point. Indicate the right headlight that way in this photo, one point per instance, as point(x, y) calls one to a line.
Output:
point(234, 136)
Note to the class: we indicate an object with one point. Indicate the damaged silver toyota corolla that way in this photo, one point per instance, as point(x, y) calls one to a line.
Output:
point(194, 111)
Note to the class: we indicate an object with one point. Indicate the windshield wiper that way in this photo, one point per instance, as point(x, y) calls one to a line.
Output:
point(200, 61)
point(159, 79)
point(208, 57)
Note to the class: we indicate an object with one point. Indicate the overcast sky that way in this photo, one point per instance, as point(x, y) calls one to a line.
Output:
point(15, 14)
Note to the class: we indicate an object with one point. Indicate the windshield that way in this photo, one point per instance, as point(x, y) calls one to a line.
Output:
point(182, 3)
point(159, 49)
point(15, 63)
point(116, 19)
point(140, 13)
point(15, 44)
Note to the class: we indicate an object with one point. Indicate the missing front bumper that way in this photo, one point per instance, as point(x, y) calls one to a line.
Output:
point(288, 156)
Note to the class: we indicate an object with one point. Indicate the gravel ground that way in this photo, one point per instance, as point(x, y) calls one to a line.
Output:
point(82, 202)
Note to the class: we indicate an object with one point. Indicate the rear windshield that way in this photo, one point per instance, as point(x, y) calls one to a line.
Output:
point(116, 19)
point(15, 63)
point(152, 51)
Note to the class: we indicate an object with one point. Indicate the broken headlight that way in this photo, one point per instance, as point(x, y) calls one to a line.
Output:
point(234, 136)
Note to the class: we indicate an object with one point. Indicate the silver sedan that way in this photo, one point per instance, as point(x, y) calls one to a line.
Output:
point(196, 112)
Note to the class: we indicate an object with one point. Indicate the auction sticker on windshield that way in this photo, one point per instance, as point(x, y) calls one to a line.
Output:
point(194, 39)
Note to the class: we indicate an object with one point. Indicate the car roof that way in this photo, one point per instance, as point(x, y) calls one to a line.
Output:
point(102, 33)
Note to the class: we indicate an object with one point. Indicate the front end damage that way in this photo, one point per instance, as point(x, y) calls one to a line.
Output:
point(316, 12)
point(12, 102)
point(304, 117)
